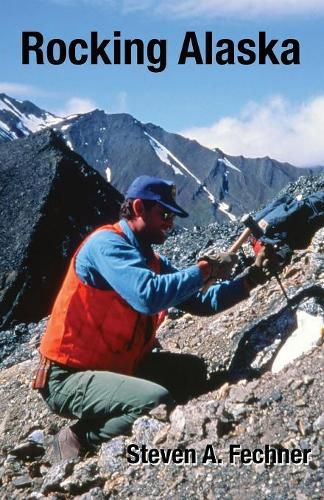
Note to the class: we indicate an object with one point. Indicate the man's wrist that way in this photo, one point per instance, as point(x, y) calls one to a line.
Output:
point(205, 269)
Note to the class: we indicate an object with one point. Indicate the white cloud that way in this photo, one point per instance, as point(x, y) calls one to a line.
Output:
point(275, 128)
point(73, 106)
point(230, 8)
point(214, 8)
point(241, 8)
point(72, 2)
point(133, 5)
point(20, 89)
point(76, 105)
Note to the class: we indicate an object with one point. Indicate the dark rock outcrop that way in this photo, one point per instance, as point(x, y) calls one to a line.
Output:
point(49, 200)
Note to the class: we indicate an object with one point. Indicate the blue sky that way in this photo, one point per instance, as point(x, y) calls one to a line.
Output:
point(251, 110)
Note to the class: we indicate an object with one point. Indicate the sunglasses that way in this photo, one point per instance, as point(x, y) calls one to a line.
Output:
point(166, 215)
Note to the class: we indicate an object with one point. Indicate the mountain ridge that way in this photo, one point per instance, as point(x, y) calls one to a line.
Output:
point(212, 185)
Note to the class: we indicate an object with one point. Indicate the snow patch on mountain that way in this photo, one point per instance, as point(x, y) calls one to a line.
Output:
point(7, 136)
point(224, 207)
point(108, 174)
point(33, 124)
point(8, 106)
point(229, 164)
point(26, 122)
point(4, 126)
point(66, 127)
point(68, 143)
point(166, 156)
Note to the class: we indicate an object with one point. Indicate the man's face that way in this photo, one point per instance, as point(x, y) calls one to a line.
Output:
point(158, 222)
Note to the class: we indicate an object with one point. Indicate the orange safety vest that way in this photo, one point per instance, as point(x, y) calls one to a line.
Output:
point(92, 329)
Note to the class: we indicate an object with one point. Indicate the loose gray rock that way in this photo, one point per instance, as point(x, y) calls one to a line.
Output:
point(319, 423)
point(56, 474)
point(112, 455)
point(145, 429)
point(84, 477)
point(22, 482)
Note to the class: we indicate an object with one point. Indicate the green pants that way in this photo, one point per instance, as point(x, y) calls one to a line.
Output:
point(106, 404)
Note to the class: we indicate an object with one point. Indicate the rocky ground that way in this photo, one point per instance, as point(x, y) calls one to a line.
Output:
point(184, 246)
point(248, 406)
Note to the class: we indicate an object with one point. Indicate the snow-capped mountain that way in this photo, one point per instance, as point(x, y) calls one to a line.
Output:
point(212, 186)
point(20, 118)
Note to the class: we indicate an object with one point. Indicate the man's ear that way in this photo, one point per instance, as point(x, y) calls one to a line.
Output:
point(138, 207)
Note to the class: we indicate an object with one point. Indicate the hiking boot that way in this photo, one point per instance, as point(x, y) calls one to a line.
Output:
point(66, 445)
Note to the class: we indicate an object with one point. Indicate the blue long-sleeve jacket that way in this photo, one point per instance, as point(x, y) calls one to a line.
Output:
point(109, 261)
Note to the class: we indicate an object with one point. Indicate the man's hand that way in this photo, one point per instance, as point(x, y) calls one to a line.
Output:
point(265, 265)
point(220, 265)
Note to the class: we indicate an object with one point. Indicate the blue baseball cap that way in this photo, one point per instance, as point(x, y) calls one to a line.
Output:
point(163, 192)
